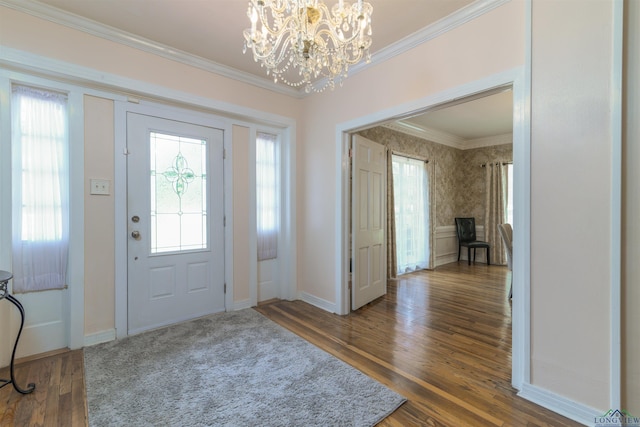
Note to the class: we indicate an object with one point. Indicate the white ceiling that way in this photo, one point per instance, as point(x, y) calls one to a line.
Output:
point(211, 30)
point(477, 122)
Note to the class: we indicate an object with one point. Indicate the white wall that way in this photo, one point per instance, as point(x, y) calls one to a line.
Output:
point(241, 218)
point(571, 205)
point(25, 36)
point(99, 259)
point(571, 154)
point(631, 223)
point(487, 45)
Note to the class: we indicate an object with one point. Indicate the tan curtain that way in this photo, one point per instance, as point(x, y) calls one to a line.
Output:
point(494, 209)
point(392, 260)
point(431, 197)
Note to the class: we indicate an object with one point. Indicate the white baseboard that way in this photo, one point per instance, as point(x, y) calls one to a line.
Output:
point(318, 302)
point(576, 411)
point(99, 337)
point(241, 305)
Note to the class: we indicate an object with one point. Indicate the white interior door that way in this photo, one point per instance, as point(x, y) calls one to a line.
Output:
point(368, 221)
point(175, 221)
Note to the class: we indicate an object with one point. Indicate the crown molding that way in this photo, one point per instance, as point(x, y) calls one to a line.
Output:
point(442, 26)
point(67, 19)
point(55, 15)
point(504, 139)
point(450, 140)
point(428, 134)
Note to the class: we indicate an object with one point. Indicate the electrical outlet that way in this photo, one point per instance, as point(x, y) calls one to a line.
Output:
point(100, 186)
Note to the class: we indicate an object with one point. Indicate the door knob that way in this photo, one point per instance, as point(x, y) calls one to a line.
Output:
point(135, 234)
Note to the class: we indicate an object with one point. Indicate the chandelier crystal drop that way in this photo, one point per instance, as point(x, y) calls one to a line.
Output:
point(306, 36)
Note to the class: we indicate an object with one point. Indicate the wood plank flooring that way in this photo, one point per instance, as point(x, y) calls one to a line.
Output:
point(59, 398)
point(440, 338)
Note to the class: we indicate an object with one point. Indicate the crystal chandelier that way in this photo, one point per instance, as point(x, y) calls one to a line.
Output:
point(305, 36)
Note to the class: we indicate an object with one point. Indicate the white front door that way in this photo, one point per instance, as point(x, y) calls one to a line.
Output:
point(368, 221)
point(175, 221)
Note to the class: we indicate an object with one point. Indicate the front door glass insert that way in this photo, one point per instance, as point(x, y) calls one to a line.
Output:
point(178, 193)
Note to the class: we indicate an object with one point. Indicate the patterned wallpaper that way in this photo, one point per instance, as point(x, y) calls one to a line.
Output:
point(459, 176)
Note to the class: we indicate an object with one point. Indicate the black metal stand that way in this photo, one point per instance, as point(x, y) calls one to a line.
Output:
point(4, 279)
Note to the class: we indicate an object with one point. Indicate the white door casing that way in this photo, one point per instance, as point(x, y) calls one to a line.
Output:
point(368, 221)
point(173, 282)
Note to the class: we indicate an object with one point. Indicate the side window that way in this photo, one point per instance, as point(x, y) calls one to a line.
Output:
point(267, 199)
point(40, 189)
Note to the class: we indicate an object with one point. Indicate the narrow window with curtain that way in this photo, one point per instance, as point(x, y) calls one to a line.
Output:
point(40, 189)
point(411, 200)
point(267, 200)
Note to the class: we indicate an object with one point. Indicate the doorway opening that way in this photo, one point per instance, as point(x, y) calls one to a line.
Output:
point(457, 159)
point(512, 81)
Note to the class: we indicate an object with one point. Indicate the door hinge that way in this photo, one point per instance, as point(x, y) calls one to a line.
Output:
point(224, 153)
point(224, 221)
point(225, 288)
point(350, 153)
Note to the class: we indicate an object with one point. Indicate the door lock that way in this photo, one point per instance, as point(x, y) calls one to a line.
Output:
point(135, 234)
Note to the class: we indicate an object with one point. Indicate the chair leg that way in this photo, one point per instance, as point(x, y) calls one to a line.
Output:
point(459, 247)
point(511, 287)
point(488, 256)
point(469, 255)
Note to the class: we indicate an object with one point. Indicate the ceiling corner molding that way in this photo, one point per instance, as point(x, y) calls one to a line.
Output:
point(444, 25)
point(506, 138)
point(448, 23)
point(57, 16)
point(428, 134)
point(448, 139)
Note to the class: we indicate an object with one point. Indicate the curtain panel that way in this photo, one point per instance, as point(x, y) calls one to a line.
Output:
point(495, 210)
point(412, 223)
point(431, 209)
point(392, 259)
point(40, 189)
point(267, 200)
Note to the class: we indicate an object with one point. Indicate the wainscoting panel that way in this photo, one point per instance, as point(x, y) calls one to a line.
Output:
point(446, 245)
point(268, 280)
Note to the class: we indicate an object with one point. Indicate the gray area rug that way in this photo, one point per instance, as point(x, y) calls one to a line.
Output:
point(230, 369)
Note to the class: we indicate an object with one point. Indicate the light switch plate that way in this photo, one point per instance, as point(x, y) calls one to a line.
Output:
point(100, 186)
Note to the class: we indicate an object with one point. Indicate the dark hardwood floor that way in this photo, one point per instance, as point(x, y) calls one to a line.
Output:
point(59, 398)
point(440, 338)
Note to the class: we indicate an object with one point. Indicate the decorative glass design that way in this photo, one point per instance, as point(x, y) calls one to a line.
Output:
point(180, 175)
point(179, 217)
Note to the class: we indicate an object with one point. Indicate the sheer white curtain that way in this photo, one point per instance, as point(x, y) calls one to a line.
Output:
point(267, 200)
point(40, 201)
point(411, 196)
